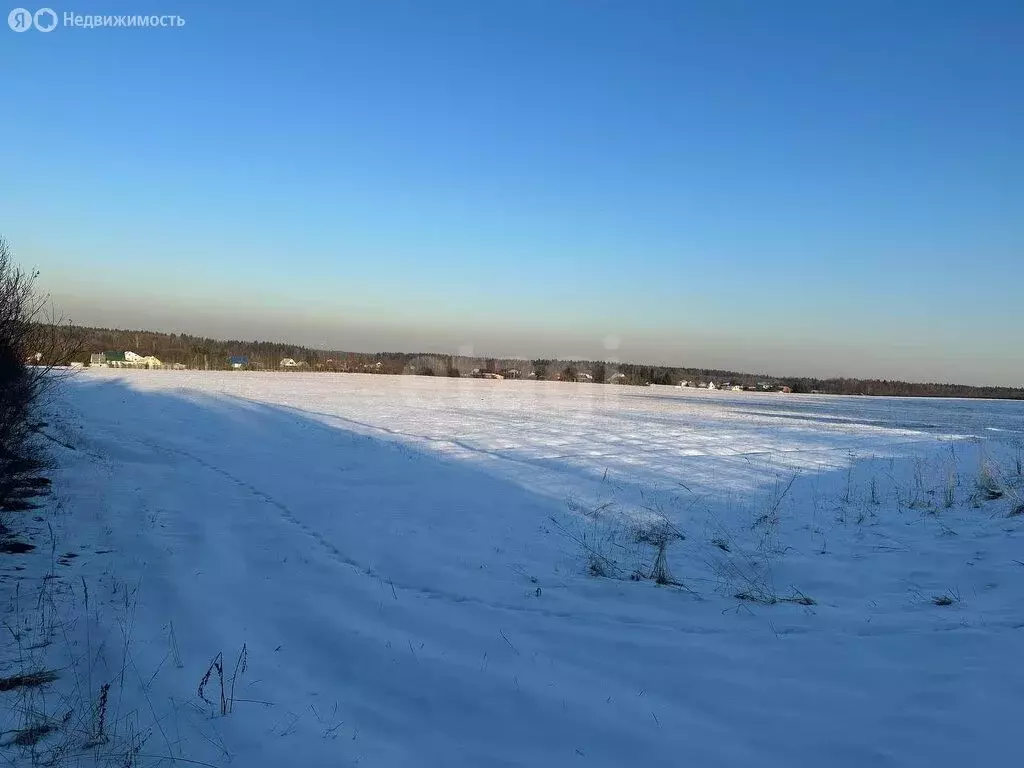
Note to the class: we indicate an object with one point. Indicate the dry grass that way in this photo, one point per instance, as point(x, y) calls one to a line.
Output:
point(989, 486)
point(949, 597)
point(949, 496)
point(30, 680)
point(227, 686)
point(31, 735)
point(759, 596)
point(15, 547)
point(659, 570)
point(80, 720)
point(600, 567)
point(620, 540)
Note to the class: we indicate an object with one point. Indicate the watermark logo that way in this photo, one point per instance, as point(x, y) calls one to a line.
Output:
point(22, 19)
point(19, 20)
point(47, 20)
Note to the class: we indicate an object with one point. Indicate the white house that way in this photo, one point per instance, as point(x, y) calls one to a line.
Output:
point(711, 385)
point(287, 362)
point(127, 359)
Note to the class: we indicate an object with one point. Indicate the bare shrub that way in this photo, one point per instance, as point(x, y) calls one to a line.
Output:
point(33, 341)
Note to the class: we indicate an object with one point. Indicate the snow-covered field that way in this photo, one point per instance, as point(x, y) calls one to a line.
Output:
point(458, 573)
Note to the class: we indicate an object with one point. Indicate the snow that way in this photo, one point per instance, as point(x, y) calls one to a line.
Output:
point(402, 559)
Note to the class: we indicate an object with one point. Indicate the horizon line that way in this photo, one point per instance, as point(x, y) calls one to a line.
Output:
point(455, 355)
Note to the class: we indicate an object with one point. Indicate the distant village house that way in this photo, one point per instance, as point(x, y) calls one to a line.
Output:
point(115, 359)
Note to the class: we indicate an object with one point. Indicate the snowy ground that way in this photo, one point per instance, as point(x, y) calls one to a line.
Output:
point(408, 562)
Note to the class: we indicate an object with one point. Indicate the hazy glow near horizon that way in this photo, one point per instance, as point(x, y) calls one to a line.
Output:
point(789, 187)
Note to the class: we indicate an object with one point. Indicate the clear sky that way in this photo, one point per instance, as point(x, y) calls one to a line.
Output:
point(810, 187)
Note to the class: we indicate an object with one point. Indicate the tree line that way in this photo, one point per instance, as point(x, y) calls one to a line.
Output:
point(215, 354)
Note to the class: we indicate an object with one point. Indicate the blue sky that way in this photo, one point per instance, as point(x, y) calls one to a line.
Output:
point(791, 187)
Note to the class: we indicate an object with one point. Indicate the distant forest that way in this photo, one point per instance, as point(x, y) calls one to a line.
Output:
point(213, 354)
